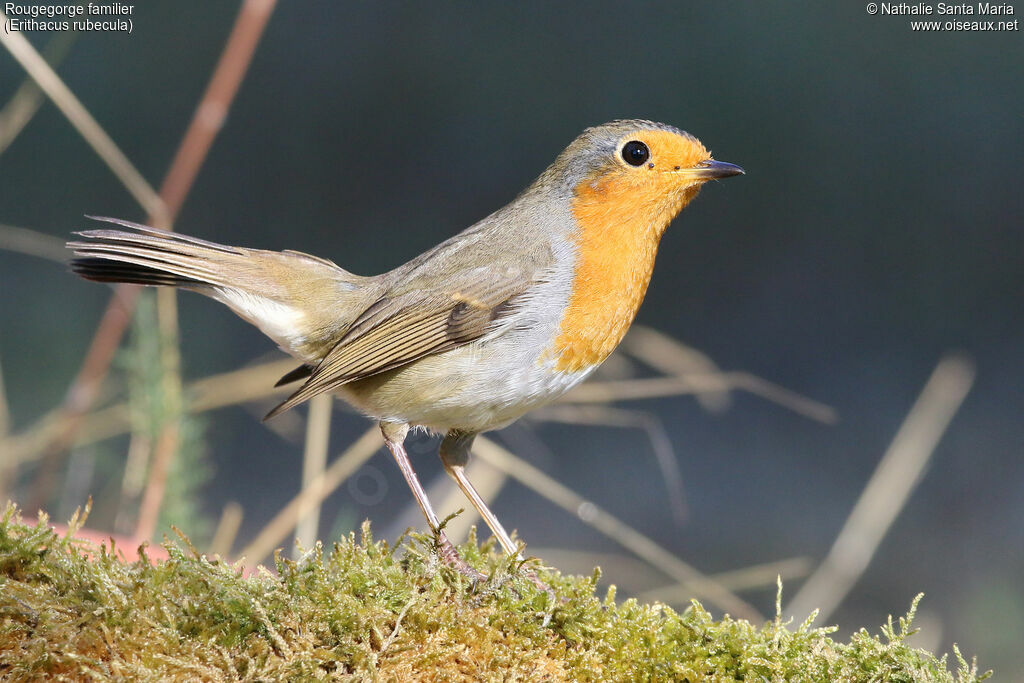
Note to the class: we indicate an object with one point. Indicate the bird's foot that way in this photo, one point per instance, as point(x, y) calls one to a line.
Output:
point(532, 577)
point(450, 556)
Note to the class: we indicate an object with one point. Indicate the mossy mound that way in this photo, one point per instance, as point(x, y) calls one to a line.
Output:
point(363, 611)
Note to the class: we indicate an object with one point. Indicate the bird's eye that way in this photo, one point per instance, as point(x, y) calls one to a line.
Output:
point(635, 153)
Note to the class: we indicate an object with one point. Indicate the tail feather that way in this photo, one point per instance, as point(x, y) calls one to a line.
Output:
point(189, 260)
point(190, 266)
point(301, 302)
point(165, 235)
point(102, 270)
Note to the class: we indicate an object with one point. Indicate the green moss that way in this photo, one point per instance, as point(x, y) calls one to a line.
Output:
point(366, 611)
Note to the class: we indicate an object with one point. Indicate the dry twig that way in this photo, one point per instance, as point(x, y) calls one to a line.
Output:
point(79, 117)
point(32, 243)
point(314, 459)
point(657, 387)
point(27, 99)
point(674, 358)
point(227, 529)
point(895, 478)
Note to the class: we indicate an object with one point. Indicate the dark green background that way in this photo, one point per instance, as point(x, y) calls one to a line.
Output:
point(878, 226)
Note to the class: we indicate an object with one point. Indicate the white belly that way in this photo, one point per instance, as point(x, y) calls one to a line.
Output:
point(477, 387)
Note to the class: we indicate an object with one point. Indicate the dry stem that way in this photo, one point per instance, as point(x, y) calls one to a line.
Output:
point(895, 478)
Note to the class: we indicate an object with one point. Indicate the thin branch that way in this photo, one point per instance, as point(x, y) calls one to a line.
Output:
point(19, 110)
point(51, 84)
point(27, 99)
point(32, 243)
point(133, 481)
point(216, 101)
point(238, 386)
point(227, 529)
point(612, 527)
point(159, 468)
point(657, 387)
point(787, 398)
point(888, 490)
point(674, 358)
point(314, 460)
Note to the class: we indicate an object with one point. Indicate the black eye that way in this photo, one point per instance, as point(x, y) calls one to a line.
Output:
point(635, 153)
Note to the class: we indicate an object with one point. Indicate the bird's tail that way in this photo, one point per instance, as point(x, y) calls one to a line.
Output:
point(300, 301)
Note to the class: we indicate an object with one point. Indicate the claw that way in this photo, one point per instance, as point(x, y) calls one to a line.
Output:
point(450, 556)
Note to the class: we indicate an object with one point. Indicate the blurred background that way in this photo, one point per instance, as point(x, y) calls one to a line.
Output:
point(877, 230)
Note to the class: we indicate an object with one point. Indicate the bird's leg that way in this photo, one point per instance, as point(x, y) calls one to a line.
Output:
point(394, 438)
point(455, 455)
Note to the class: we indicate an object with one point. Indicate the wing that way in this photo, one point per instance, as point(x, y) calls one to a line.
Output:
point(417, 321)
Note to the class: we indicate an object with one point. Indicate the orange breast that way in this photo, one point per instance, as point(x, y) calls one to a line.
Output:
point(620, 225)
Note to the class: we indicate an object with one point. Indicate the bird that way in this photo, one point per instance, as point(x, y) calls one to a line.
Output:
point(500, 319)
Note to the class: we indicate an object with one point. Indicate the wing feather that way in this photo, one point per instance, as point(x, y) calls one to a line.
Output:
point(403, 327)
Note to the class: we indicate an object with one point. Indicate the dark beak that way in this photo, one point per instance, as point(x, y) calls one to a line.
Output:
point(712, 170)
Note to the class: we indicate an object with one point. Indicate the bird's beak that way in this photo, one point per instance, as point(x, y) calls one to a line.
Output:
point(712, 170)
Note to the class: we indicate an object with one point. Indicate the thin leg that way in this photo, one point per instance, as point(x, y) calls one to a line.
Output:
point(455, 455)
point(394, 438)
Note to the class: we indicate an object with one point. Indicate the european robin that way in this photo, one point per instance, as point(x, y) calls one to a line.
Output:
point(500, 319)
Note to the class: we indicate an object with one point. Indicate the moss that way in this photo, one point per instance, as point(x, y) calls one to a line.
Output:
point(365, 611)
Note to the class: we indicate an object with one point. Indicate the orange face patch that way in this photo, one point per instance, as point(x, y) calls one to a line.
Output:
point(621, 212)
